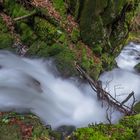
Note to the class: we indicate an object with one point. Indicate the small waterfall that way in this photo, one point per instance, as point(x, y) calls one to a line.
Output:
point(123, 80)
point(31, 85)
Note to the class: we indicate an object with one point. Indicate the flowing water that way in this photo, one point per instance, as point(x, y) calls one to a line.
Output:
point(31, 85)
point(123, 80)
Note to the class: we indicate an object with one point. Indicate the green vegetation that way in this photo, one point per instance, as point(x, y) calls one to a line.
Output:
point(104, 132)
point(127, 129)
point(45, 36)
point(6, 39)
point(59, 5)
point(137, 107)
point(17, 126)
point(104, 26)
point(15, 9)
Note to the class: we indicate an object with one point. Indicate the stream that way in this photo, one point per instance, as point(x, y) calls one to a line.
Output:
point(32, 85)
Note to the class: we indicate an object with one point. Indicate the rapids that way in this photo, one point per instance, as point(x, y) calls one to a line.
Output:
point(31, 85)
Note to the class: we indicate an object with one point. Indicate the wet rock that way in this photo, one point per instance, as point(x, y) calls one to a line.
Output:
point(137, 67)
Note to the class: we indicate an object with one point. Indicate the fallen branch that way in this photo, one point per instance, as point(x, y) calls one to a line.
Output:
point(127, 98)
point(105, 96)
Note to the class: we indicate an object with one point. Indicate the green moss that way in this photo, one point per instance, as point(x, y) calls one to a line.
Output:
point(15, 9)
point(74, 7)
point(75, 35)
point(92, 34)
point(132, 122)
point(27, 35)
point(108, 61)
point(137, 107)
point(104, 132)
point(3, 28)
point(63, 39)
point(64, 58)
point(37, 47)
point(88, 134)
point(6, 41)
point(41, 49)
point(60, 7)
point(11, 132)
point(106, 23)
point(45, 30)
point(86, 62)
point(65, 62)
point(97, 49)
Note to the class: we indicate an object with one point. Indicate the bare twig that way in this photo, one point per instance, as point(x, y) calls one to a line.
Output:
point(127, 98)
point(105, 96)
point(108, 117)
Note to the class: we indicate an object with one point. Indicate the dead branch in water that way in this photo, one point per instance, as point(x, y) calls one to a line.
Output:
point(106, 97)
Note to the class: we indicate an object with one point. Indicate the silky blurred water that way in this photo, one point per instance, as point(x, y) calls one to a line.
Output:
point(32, 85)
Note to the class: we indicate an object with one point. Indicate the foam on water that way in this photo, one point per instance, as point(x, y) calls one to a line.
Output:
point(123, 80)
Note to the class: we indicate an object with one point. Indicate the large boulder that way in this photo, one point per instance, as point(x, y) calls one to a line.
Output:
point(104, 23)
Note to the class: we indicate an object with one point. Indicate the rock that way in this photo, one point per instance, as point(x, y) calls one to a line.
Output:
point(137, 107)
point(103, 22)
point(137, 67)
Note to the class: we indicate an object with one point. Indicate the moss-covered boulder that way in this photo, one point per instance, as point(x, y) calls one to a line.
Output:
point(127, 129)
point(49, 31)
point(137, 107)
point(132, 122)
point(104, 132)
point(14, 126)
point(104, 23)
point(137, 67)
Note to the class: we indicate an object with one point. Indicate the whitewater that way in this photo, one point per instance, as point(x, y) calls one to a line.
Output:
point(32, 85)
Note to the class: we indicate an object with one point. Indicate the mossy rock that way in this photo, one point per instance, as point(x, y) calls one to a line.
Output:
point(138, 134)
point(59, 5)
point(65, 62)
point(15, 9)
point(137, 67)
point(137, 107)
point(10, 132)
point(46, 31)
point(132, 122)
point(12, 125)
point(42, 49)
point(6, 41)
point(75, 35)
point(27, 35)
point(108, 61)
point(74, 7)
point(104, 132)
point(3, 28)
point(104, 23)
point(88, 134)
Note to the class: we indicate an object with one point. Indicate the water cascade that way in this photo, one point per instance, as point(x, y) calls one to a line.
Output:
point(31, 85)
